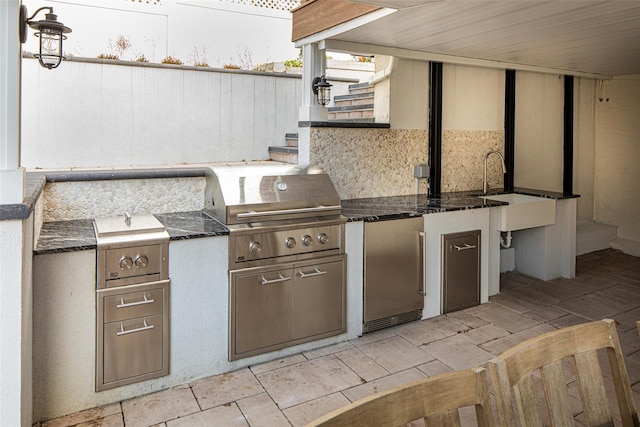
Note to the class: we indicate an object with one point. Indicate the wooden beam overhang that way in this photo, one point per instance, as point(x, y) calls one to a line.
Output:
point(314, 16)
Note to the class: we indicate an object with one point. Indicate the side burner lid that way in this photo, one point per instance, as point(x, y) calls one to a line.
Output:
point(119, 225)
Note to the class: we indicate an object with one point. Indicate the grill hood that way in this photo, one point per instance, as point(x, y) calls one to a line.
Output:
point(248, 193)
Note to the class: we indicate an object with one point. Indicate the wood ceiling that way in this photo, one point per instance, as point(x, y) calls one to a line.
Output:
point(572, 36)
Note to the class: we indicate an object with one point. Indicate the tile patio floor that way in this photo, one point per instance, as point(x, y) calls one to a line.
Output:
point(299, 388)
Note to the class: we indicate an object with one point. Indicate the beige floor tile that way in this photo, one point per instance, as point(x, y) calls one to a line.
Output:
point(458, 353)
point(627, 321)
point(261, 411)
point(435, 367)
point(158, 407)
point(500, 345)
point(278, 363)
point(484, 334)
point(221, 416)
point(436, 328)
point(507, 319)
point(225, 388)
point(296, 384)
point(396, 354)
point(89, 415)
point(380, 335)
point(568, 320)
point(114, 420)
point(330, 349)
point(383, 384)
point(513, 300)
point(546, 314)
point(590, 306)
point(467, 319)
point(362, 364)
point(302, 414)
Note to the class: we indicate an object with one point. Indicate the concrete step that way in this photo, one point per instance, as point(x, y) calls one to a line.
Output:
point(365, 98)
point(291, 139)
point(361, 120)
point(284, 154)
point(360, 88)
point(593, 236)
point(351, 112)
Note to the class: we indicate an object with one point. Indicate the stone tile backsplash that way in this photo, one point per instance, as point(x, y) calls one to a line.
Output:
point(369, 162)
point(463, 154)
point(92, 199)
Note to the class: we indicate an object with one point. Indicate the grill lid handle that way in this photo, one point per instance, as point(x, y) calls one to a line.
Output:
point(253, 214)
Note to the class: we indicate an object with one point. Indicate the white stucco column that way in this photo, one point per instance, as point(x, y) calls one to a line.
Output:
point(313, 65)
point(11, 174)
point(15, 247)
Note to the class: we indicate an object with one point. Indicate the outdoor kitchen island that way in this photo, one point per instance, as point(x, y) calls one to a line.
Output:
point(64, 299)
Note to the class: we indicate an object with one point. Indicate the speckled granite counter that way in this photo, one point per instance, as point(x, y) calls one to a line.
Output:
point(397, 207)
point(78, 235)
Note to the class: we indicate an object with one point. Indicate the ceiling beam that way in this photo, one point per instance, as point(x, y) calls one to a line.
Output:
point(370, 49)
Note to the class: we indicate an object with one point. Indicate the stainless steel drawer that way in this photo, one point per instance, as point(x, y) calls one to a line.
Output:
point(133, 348)
point(134, 301)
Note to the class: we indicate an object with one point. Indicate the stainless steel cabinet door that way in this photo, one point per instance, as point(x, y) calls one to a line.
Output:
point(460, 270)
point(133, 348)
point(318, 299)
point(261, 310)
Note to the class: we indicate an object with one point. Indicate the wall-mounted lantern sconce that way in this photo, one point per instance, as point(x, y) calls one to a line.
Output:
point(322, 89)
point(51, 33)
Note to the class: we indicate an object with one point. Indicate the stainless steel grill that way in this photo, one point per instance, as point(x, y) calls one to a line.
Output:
point(287, 265)
point(132, 300)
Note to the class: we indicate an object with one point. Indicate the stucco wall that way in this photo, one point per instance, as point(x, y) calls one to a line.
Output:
point(105, 114)
point(617, 152)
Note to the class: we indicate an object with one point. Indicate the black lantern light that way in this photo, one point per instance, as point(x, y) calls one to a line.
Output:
point(51, 33)
point(322, 89)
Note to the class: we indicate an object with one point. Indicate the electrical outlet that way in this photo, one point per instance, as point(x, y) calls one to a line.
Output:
point(421, 171)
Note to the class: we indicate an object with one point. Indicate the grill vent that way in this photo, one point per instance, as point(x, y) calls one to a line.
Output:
point(386, 322)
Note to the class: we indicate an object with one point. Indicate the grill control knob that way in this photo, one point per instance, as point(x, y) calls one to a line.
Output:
point(307, 240)
point(255, 247)
point(126, 263)
point(290, 242)
point(141, 261)
point(323, 238)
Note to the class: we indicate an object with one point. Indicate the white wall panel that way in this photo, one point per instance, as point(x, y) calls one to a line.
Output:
point(539, 131)
point(108, 115)
point(473, 98)
point(617, 171)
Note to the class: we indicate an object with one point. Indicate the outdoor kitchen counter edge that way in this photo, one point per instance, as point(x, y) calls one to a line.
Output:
point(397, 207)
point(78, 234)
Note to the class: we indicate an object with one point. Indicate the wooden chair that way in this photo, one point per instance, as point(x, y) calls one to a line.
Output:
point(435, 399)
point(540, 359)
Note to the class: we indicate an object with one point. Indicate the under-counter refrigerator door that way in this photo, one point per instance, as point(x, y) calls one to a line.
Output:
point(393, 268)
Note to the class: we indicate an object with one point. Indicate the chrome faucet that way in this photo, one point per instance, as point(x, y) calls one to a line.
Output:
point(485, 187)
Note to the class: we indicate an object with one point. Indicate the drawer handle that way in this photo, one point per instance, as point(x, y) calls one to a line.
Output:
point(465, 247)
point(133, 304)
point(316, 273)
point(281, 279)
point(131, 331)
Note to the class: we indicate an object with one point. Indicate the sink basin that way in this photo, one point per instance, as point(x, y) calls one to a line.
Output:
point(524, 211)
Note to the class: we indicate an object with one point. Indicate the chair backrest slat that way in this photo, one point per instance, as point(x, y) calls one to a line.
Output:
point(556, 395)
point(527, 400)
point(592, 391)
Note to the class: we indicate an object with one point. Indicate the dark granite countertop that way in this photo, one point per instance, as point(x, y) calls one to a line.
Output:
point(397, 207)
point(78, 235)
